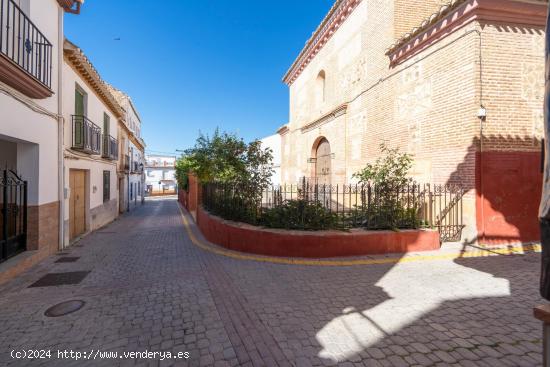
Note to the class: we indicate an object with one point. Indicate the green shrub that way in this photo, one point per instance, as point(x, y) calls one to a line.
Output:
point(387, 177)
point(299, 214)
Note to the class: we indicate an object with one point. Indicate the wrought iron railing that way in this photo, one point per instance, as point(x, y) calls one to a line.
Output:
point(23, 43)
point(110, 147)
point(86, 135)
point(126, 163)
point(13, 214)
point(341, 206)
point(137, 167)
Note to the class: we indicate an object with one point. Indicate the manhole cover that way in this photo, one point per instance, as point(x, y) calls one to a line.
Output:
point(54, 279)
point(67, 259)
point(64, 308)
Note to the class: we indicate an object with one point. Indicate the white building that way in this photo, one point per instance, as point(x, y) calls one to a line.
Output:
point(160, 174)
point(274, 143)
point(132, 154)
point(31, 129)
point(91, 116)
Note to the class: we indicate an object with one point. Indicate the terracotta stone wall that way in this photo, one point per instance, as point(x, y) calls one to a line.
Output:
point(307, 244)
point(194, 196)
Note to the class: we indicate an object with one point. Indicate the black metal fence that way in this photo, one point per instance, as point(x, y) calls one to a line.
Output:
point(23, 43)
point(314, 206)
point(13, 214)
point(86, 135)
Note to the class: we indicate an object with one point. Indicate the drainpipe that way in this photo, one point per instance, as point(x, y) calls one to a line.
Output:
point(60, 130)
point(482, 115)
point(128, 182)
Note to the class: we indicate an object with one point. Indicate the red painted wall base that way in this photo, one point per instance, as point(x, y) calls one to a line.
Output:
point(511, 183)
point(322, 244)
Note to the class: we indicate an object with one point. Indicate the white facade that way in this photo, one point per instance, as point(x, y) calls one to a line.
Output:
point(273, 142)
point(100, 207)
point(136, 177)
point(132, 154)
point(160, 174)
point(29, 126)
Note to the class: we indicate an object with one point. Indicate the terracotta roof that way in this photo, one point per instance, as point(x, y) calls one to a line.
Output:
point(85, 68)
point(431, 20)
point(122, 99)
point(69, 5)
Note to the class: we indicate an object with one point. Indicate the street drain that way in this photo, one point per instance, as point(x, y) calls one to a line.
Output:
point(64, 308)
point(67, 259)
point(55, 279)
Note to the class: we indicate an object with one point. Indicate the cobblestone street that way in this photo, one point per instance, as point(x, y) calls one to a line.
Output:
point(150, 288)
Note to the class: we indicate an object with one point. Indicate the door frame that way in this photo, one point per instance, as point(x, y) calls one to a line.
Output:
point(86, 203)
point(314, 151)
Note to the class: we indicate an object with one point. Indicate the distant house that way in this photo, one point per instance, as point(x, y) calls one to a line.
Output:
point(273, 142)
point(160, 174)
point(131, 178)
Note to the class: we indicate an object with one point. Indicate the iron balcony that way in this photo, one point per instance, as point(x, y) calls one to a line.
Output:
point(23, 47)
point(126, 163)
point(86, 135)
point(136, 168)
point(110, 147)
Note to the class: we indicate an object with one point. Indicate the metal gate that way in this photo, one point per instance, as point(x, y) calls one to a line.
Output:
point(444, 210)
point(13, 214)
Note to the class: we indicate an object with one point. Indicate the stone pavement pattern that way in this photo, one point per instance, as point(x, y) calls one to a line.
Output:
point(151, 288)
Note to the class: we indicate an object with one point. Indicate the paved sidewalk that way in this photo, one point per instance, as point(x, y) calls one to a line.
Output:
point(150, 288)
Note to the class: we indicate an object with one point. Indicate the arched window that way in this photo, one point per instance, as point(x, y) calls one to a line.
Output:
point(321, 87)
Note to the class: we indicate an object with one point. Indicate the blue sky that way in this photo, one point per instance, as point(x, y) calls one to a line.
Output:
point(195, 65)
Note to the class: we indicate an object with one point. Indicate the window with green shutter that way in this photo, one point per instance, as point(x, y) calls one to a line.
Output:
point(106, 186)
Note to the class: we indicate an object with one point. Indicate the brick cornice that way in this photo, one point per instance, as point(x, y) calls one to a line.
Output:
point(337, 112)
point(453, 17)
point(334, 19)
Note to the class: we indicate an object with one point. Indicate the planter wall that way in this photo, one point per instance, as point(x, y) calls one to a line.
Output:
point(320, 244)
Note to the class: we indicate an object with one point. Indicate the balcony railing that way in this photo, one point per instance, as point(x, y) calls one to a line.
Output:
point(110, 147)
point(126, 163)
point(86, 135)
point(136, 167)
point(22, 43)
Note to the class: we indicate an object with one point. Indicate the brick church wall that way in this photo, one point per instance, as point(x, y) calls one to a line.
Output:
point(426, 106)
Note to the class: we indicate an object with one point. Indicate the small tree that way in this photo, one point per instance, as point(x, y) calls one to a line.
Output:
point(217, 158)
point(388, 175)
point(389, 170)
point(183, 167)
point(225, 158)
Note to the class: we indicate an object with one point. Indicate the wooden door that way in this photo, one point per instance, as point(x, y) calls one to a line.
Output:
point(323, 163)
point(77, 204)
